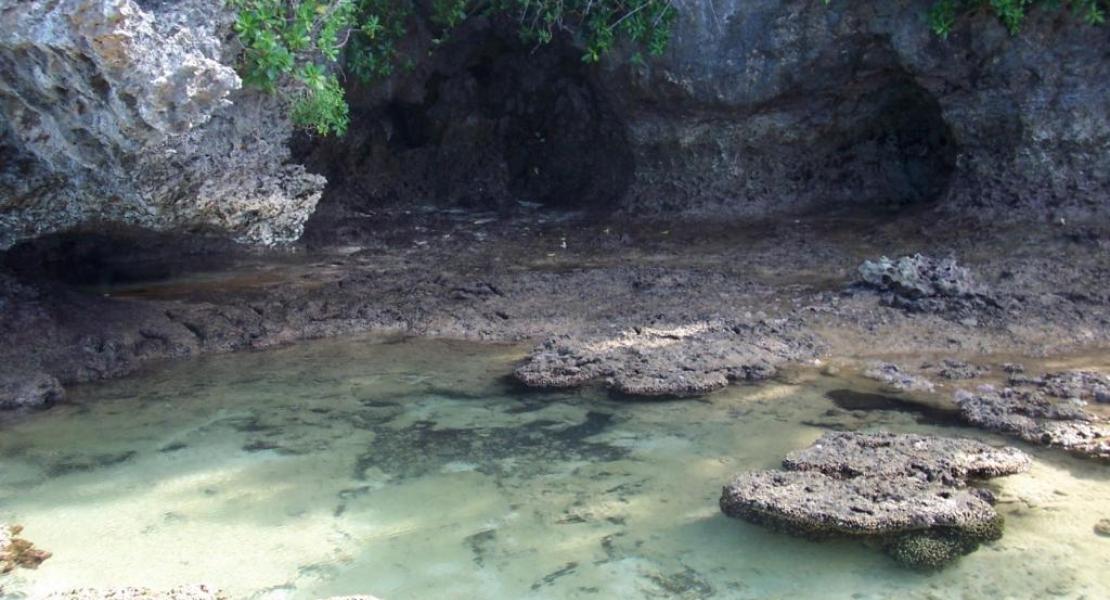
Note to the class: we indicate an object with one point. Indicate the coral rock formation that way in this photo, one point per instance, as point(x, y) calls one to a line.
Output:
point(906, 491)
point(667, 362)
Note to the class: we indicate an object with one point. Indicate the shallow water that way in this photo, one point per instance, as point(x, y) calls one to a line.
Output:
point(412, 470)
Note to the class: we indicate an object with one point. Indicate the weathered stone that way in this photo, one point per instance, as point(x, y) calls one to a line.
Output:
point(659, 362)
point(18, 552)
point(1083, 385)
point(816, 505)
point(897, 378)
point(31, 390)
point(951, 368)
point(1037, 418)
point(923, 284)
point(951, 461)
point(757, 104)
point(112, 110)
point(904, 491)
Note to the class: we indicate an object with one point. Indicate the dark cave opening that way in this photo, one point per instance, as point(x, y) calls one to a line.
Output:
point(906, 150)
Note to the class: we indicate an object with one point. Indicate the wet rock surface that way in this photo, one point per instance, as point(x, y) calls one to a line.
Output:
point(951, 461)
point(1038, 418)
point(657, 361)
point(906, 491)
point(710, 303)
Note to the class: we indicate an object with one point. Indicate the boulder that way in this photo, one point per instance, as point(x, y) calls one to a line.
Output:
point(906, 492)
point(131, 112)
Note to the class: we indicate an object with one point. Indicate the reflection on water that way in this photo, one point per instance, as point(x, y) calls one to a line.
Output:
point(412, 470)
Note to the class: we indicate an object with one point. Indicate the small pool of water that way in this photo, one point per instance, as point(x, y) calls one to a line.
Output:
point(413, 470)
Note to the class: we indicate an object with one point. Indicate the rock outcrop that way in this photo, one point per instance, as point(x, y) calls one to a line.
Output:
point(1038, 418)
point(184, 592)
point(130, 112)
point(682, 361)
point(923, 284)
point(907, 492)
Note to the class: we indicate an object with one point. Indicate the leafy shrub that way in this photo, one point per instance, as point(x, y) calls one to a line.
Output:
point(301, 47)
point(945, 13)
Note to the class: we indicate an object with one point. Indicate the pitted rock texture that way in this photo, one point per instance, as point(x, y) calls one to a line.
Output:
point(818, 506)
point(1037, 418)
point(924, 284)
point(681, 361)
point(951, 461)
point(16, 552)
point(905, 491)
point(112, 110)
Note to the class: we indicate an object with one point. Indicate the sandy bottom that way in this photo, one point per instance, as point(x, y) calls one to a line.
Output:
point(413, 470)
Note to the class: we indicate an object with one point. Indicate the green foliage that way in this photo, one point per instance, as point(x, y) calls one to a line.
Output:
point(301, 47)
point(945, 13)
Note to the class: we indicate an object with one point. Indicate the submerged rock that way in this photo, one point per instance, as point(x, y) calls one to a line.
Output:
point(907, 492)
point(923, 284)
point(33, 390)
point(681, 361)
point(1037, 418)
point(951, 368)
point(898, 379)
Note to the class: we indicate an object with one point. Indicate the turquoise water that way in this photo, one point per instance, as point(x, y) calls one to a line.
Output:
point(414, 470)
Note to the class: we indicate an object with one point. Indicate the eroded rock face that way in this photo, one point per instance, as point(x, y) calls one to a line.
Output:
point(184, 592)
point(112, 110)
point(679, 361)
point(908, 492)
point(770, 105)
point(1037, 418)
